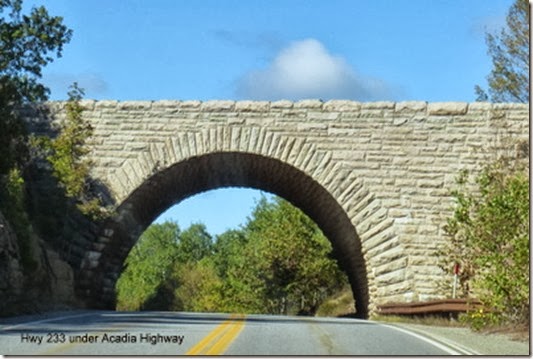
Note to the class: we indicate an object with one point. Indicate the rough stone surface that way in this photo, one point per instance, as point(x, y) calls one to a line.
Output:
point(11, 276)
point(48, 286)
point(447, 108)
point(375, 176)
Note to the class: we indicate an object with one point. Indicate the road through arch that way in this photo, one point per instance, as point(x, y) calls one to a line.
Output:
point(228, 169)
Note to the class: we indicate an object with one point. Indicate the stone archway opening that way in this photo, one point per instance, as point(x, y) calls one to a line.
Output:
point(218, 170)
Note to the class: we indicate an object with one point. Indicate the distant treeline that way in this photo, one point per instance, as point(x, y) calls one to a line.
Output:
point(278, 263)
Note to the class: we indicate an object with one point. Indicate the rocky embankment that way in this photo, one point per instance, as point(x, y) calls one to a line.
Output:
point(48, 285)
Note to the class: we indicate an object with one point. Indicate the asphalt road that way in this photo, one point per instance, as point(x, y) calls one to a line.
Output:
point(176, 333)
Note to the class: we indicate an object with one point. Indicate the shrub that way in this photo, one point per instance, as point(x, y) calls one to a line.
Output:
point(489, 234)
point(68, 151)
point(480, 319)
point(12, 200)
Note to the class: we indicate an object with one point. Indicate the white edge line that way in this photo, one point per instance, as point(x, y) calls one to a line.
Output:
point(427, 340)
point(448, 342)
point(45, 321)
point(457, 346)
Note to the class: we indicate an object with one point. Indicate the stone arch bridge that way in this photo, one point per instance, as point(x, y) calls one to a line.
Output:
point(374, 176)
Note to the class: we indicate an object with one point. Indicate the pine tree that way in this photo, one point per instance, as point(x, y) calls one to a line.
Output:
point(509, 79)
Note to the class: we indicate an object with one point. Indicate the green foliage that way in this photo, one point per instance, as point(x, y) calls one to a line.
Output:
point(509, 50)
point(14, 194)
point(69, 148)
point(479, 319)
point(68, 151)
point(197, 287)
point(278, 263)
point(13, 150)
point(194, 244)
point(292, 257)
point(12, 200)
point(27, 44)
point(489, 234)
point(227, 251)
point(235, 261)
point(148, 266)
point(164, 259)
point(339, 303)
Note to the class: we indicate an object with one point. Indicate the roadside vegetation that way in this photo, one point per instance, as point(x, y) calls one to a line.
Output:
point(489, 229)
point(65, 156)
point(49, 171)
point(45, 188)
point(489, 238)
point(28, 43)
point(339, 304)
point(508, 80)
point(278, 263)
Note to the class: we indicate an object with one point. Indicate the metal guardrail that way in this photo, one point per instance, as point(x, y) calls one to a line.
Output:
point(439, 306)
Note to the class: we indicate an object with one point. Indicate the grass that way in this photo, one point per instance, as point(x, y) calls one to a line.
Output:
point(339, 304)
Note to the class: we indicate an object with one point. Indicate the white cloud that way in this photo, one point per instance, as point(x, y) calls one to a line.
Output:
point(306, 69)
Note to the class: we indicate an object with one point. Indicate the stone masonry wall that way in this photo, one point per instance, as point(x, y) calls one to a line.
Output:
point(389, 165)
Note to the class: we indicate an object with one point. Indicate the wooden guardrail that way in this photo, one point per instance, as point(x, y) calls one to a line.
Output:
point(439, 306)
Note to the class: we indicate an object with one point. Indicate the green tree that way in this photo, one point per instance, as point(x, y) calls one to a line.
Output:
point(279, 262)
point(194, 282)
point(68, 151)
point(197, 287)
point(194, 243)
point(293, 258)
point(69, 166)
point(148, 266)
point(164, 260)
point(236, 262)
point(489, 235)
point(28, 42)
point(227, 249)
point(13, 196)
point(509, 78)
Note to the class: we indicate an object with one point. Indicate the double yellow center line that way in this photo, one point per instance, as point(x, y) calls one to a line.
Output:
point(220, 338)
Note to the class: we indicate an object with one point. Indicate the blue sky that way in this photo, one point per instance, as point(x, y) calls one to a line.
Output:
point(365, 50)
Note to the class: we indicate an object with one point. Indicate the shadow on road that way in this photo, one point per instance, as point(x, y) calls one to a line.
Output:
point(104, 320)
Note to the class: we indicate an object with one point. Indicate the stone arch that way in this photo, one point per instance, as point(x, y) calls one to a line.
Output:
point(224, 169)
point(387, 165)
point(187, 163)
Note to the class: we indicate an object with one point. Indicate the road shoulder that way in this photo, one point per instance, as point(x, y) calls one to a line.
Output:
point(465, 339)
